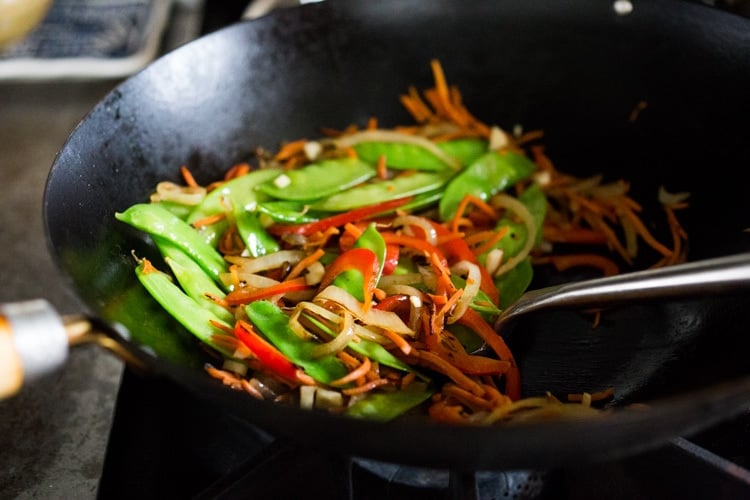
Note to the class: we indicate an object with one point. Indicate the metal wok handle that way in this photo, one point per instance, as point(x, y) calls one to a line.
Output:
point(719, 275)
point(35, 340)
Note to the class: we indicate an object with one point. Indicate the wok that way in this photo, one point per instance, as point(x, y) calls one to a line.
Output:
point(575, 70)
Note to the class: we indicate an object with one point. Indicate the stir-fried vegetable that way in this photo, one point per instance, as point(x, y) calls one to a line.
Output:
point(361, 271)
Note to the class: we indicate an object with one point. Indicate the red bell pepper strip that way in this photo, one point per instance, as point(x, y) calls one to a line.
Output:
point(363, 260)
point(474, 320)
point(457, 250)
point(416, 243)
point(339, 220)
point(267, 354)
point(245, 296)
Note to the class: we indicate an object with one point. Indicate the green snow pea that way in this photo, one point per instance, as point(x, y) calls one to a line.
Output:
point(257, 240)
point(239, 192)
point(384, 406)
point(156, 220)
point(379, 191)
point(488, 175)
point(179, 209)
point(407, 156)
point(196, 319)
point(273, 324)
point(193, 279)
point(289, 212)
point(481, 303)
point(513, 283)
point(318, 180)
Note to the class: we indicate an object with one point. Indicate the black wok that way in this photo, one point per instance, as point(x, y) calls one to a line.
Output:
point(574, 69)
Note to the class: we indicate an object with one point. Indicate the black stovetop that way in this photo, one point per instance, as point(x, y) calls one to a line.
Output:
point(165, 444)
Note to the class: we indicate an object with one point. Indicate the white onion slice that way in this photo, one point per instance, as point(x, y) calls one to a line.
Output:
point(265, 262)
point(503, 200)
point(393, 136)
point(339, 342)
point(473, 282)
point(421, 222)
point(386, 320)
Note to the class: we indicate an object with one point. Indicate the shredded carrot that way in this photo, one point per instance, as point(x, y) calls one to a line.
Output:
point(464, 204)
point(382, 168)
point(305, 263)
point(290, 149)
point(373, 384)
point(645, 234)
point(465, 397)
point(209, 220)
point(399, 341)
point(355, 374)
point(237, 170)
point(495, 237)
point(189, 180)
point(446, 368)
point(250, 389)
point(595, 396)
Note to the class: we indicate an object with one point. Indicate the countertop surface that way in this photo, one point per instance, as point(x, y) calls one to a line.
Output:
point(53, 434)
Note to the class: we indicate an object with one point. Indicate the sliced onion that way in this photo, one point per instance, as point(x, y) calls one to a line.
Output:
point(386, 320)
point(265, 262)
point(360, 331)
point(393, 136)
point(421, 222)
point(503, 200)
point(186, 195)
point(473, 282)
point(391, 280)
point(667, 198)
point(315, 272)
point(339, 342)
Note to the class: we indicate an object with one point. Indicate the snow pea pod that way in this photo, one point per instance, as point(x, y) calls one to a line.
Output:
point(156, 220)
point(407, 156)
point(318, 180)
point(490, 174)
point(289, 212)
point(273, 323)
point(380, 191)
point(193, 279)
point(257, 241)
point(239, 192)
point(196, 319)
point(384, 406)
point(512, 284)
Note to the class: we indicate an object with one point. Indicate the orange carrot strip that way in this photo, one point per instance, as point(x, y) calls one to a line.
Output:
point(473, 320)
point(382, 167)
point(189, 179)
point(645, 234)
point(209, 220)
point(366, 387)
point(437, 363)
point(492, 241)
point(467, 398)
point(290, 149)
point(399, 341)
point(353, 375)
point(305, 263)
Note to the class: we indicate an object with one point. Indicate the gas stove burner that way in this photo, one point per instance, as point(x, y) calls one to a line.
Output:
point(511, 485)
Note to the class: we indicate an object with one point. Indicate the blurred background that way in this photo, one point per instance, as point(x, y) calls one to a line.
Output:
point(57, 60)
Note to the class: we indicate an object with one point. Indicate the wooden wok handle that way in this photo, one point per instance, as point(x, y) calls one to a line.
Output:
point(33, 342)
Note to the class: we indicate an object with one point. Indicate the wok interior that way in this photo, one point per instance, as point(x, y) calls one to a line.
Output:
point(577, 72)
